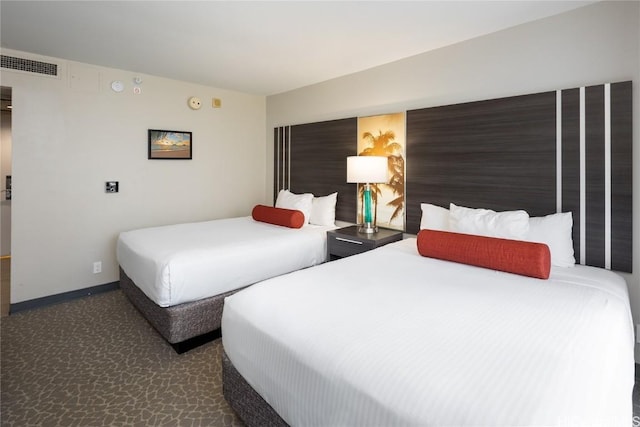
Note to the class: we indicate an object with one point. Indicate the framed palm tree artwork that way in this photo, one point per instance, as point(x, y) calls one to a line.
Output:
point(385, 135)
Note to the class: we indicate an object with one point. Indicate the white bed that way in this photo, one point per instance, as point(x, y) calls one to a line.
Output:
point(391, 338)
point(178, 275)
point(180, 263)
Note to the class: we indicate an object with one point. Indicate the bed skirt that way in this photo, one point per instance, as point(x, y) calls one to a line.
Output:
point(178, 323)
point(252, 409)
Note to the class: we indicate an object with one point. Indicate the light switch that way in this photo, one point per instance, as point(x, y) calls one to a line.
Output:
point(111, 187)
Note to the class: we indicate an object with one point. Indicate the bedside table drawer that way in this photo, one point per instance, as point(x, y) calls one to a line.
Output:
point(347, 241)
point(343, 246)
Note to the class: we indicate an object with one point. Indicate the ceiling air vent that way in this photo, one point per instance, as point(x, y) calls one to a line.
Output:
point(29, 65)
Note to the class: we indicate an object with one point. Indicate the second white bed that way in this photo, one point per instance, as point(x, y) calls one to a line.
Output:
point(392, 338)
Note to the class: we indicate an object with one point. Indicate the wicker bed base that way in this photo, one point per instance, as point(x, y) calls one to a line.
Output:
point(184, 326)
point(252, 409)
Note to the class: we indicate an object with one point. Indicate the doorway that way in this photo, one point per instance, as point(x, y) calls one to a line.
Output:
point(5, 199)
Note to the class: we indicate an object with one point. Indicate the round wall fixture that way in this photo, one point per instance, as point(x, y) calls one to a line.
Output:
point(117, 86)
point(194, 103)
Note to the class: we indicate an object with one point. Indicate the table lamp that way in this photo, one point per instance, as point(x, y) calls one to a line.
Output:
point(367, 170)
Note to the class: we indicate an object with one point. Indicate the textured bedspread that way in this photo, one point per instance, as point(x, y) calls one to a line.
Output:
point(187, 262)
point(392, 338)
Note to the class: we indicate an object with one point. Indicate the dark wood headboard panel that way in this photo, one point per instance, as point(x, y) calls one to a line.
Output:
point(506, 154)
point(498, 154)
point(593, 229)
point(557, 151)
point(312, 158)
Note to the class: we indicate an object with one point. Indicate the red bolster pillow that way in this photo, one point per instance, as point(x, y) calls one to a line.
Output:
point(513, 256)
point(278, 216)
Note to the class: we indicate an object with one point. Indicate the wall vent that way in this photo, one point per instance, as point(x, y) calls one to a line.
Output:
point(29, 65)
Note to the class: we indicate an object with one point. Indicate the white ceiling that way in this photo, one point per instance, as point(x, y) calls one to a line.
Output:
point(258, 47)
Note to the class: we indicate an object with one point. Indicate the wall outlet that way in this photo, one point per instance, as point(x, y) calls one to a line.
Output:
point(97, 267)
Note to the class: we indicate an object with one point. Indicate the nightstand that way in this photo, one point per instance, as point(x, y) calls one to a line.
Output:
point(344, 242)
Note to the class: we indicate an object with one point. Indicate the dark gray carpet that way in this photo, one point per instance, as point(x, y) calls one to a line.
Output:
point(97, 362)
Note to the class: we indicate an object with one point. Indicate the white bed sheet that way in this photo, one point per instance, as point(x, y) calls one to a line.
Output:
point(187, 262)
point(390, 338)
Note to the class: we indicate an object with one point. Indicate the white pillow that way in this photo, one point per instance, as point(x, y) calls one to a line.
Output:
point(301, 202)
point(555, 231)
point(323, 210)
point(434, 217)
point(485, 222)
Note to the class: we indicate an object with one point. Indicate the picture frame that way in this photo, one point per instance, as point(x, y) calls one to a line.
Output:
point(170, 145)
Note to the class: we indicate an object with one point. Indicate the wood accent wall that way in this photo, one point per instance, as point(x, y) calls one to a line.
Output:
point(596, 173)
point(316, 161)
point(621, 176)
point(557, 151)
point(498, 154)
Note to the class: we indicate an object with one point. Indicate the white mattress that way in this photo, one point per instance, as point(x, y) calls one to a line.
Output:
point(390, 338)
point(181, 263)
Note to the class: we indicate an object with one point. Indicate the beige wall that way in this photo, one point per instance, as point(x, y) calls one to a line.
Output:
point(592, 45)
point(72, 134)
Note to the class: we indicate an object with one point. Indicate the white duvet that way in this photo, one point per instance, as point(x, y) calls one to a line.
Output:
point(390, 338)
point(181, 263)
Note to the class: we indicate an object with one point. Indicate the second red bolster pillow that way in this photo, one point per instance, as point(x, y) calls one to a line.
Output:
point(512, 256)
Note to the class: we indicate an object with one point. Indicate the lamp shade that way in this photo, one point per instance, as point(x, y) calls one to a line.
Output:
point(367, 169)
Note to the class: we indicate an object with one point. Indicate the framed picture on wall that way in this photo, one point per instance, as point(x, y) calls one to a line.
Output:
point(170, 144)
